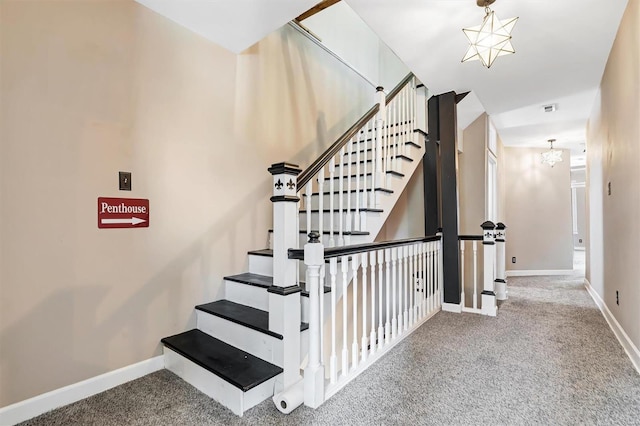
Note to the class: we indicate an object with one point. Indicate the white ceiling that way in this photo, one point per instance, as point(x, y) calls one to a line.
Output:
point(232, 24)
point(561, 49)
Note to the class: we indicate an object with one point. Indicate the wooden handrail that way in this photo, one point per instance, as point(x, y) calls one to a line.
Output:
point(470, 237)
point(317, 165)
point(298, 254)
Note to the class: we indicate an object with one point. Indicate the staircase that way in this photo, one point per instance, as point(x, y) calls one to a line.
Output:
point(234, 355)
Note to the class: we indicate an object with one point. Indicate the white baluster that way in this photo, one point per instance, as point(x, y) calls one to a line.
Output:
point(344, 260)
point(405, 286)
point(394, 284)
point(341, 199)
point(462, 268)
point(320, 204)
point(323, 283)
point(401, 281)
point(365, 266)
point(372, 337)
point(349, 159)
point(425, 280)
point(355, 263)
point(414, 312)
point(410, 280)
point(376, 175)
point(419, 284)
point(333, 272)
point(430, 280)
point(381, 261)
point(475, 274)
point(440, 273)
point(395, 124)
point(332, 175)
point(358, 199)
point(387, 296)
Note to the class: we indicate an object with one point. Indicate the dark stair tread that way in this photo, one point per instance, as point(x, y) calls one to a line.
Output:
point(325, 232)
point(389, 191)
point(231, 364)
point(338, 210)
point(255, 280)
point(400, 156)
point(265, 281)
point(408, 142)
point(305, 292)
point(391, 172)
point(262, 252)
point(255, 319)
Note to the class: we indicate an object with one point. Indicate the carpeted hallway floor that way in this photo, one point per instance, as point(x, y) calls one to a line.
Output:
point(548, 358)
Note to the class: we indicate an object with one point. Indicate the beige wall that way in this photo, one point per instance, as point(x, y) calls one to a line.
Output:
point(538, 211)
point(472, 178)
point(613, 156)
point(406, 219)
point(92, 88)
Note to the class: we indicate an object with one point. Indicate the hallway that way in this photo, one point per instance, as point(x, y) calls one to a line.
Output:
point(548, 358)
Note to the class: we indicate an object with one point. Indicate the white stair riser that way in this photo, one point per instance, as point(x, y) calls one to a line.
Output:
point(401, 144)
point(352, 198)
point(262, 265)
point(245, 294)
point(216, 388)
point(256, 343)
point(348, 222)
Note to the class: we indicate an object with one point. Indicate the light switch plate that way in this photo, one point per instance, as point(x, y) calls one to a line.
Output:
point(125, 181)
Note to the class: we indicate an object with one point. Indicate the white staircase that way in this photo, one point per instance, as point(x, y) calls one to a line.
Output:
point(234, 355)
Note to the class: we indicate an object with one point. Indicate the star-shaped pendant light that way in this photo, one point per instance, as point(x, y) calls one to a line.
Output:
point(552, 156)
point(490, 39)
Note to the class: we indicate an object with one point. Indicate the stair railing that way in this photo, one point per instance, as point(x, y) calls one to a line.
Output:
point(366, 152)
point(494, 283)
point(388, 290)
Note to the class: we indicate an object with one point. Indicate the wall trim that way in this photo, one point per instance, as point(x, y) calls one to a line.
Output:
point(32, 407)
point(452, 307)
point(631, 350)
point(535, 272)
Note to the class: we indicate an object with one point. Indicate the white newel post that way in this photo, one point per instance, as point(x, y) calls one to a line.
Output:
point(380, 178)
point(284, 294)
point(314, 372)
point(501, 274)
point(489, 306)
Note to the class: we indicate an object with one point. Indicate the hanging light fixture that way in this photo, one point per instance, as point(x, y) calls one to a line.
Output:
point(552, 156)
point(490, 39)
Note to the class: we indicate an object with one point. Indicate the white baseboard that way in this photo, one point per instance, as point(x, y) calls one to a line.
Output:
point(32, 407)
point(452, 307)
point(536, 272)
point(632, 351)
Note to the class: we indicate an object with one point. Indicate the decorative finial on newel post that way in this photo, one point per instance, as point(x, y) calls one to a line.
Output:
point(489, 305)
point(501, 260)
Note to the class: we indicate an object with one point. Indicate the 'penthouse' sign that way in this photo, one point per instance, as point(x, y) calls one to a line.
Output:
point(123, 212)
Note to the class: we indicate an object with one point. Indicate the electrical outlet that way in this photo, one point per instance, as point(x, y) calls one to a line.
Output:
point(513, 259)
point(617, 298)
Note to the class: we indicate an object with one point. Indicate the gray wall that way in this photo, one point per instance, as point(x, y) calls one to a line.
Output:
point(538, 211)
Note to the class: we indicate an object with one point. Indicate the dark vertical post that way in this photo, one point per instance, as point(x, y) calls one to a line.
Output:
point(430, 171)
point(441, 173)
point(449, 196)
